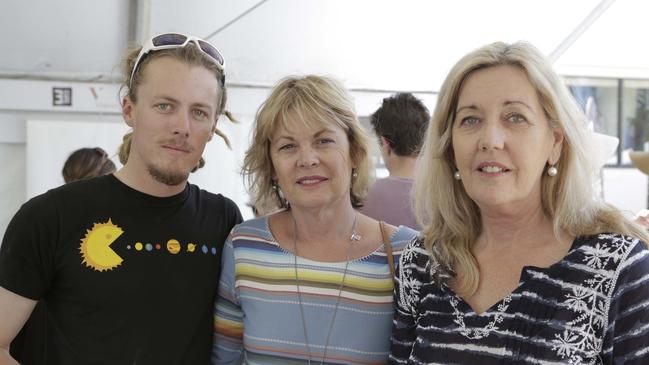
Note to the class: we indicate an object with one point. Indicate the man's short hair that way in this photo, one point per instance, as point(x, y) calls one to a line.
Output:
point(402, 120)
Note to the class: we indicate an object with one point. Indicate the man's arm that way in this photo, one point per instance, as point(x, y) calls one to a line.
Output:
point(14, 311)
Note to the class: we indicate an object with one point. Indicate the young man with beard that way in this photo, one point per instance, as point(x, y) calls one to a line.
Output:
point(127, 264)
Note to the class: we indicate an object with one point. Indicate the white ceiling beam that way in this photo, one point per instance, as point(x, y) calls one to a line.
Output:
point(234, 20)
point(580, 29)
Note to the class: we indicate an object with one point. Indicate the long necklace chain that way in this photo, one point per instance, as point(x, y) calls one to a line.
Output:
point(354, 237)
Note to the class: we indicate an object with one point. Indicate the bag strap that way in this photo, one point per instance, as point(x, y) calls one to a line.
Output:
point(388, 250)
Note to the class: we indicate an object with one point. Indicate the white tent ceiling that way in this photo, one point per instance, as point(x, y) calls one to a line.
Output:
point(370, 44)
point(616, 44)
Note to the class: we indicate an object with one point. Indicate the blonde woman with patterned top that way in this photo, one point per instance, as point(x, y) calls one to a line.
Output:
point(519, 262)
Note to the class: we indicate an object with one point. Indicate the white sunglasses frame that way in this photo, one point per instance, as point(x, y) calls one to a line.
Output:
point(150, 47)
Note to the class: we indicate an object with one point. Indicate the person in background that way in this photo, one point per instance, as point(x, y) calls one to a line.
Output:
point(127, 264)
point(400, 124)
point(519, 261)
point(86, 163)
point(30, 344)
point(312, 282)
point(640, 160)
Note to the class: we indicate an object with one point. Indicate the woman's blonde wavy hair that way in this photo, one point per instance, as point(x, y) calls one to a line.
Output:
point(190, 55)
point(313, 100)
point(452, 221)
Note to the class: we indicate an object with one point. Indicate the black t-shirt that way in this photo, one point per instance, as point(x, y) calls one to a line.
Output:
point(127, 278)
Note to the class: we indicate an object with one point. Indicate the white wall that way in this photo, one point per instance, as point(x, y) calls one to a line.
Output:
point(12, 181)
point(50, 142)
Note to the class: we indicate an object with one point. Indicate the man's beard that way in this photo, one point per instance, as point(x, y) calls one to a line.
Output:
point(167, 177)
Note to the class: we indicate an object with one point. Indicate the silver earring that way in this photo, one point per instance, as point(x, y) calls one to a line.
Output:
point(457, 176)
point(354, 173)
point(552, 171)
point(283, 203)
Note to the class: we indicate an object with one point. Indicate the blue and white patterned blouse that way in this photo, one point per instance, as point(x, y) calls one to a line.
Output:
point(592, 307)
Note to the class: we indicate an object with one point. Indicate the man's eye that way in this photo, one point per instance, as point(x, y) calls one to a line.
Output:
point(200, 113)
point(163, 107)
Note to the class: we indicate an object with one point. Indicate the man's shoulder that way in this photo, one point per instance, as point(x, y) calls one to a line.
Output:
point(212, 198)
point(216, 203)
point(74, 190)
point(206, 195)
point(391, 183)
point(387, 193)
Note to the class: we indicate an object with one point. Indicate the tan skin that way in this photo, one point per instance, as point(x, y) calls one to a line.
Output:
point(327, 245)
point(502, 257)
point(14, 311)
point(321, 205)
point(502, 143)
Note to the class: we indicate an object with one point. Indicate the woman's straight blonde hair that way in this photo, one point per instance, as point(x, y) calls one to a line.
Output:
point(452, 221)
point(313, 100)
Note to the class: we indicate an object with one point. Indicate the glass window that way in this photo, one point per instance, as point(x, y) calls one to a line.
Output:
point(635, 117)
point(598, 99)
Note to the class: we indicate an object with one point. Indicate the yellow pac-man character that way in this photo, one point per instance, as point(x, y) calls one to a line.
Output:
point(173, 246)
point(191, 247)
point(95, 246)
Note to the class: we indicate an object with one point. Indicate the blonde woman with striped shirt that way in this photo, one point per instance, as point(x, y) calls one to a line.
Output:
point(311, 283)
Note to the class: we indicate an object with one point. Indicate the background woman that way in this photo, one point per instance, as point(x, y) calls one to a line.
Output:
point(311, 283)
point(519, 262)
point(86, 163)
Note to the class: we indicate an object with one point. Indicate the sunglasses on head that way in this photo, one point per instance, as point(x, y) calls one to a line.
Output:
point(177, 40)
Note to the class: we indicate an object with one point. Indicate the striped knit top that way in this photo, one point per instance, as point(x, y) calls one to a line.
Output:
point(257, 313)
point(591, 307)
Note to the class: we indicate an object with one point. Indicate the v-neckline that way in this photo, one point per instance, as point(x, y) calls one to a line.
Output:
point(523, 279)
point(467, 309)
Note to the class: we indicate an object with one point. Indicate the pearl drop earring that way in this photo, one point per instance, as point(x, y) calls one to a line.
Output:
point(457, 176)
point(552, 171)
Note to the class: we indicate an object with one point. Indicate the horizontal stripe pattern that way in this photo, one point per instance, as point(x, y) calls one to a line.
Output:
point(592, 307)
point(257, 313)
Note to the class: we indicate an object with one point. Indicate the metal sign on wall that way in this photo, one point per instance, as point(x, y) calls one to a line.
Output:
point(61, 96)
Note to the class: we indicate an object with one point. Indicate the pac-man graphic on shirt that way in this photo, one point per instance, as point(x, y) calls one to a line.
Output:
point(95, 246)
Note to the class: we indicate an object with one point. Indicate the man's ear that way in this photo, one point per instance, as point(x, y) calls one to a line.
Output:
point(385, 146)
point(128, 109)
